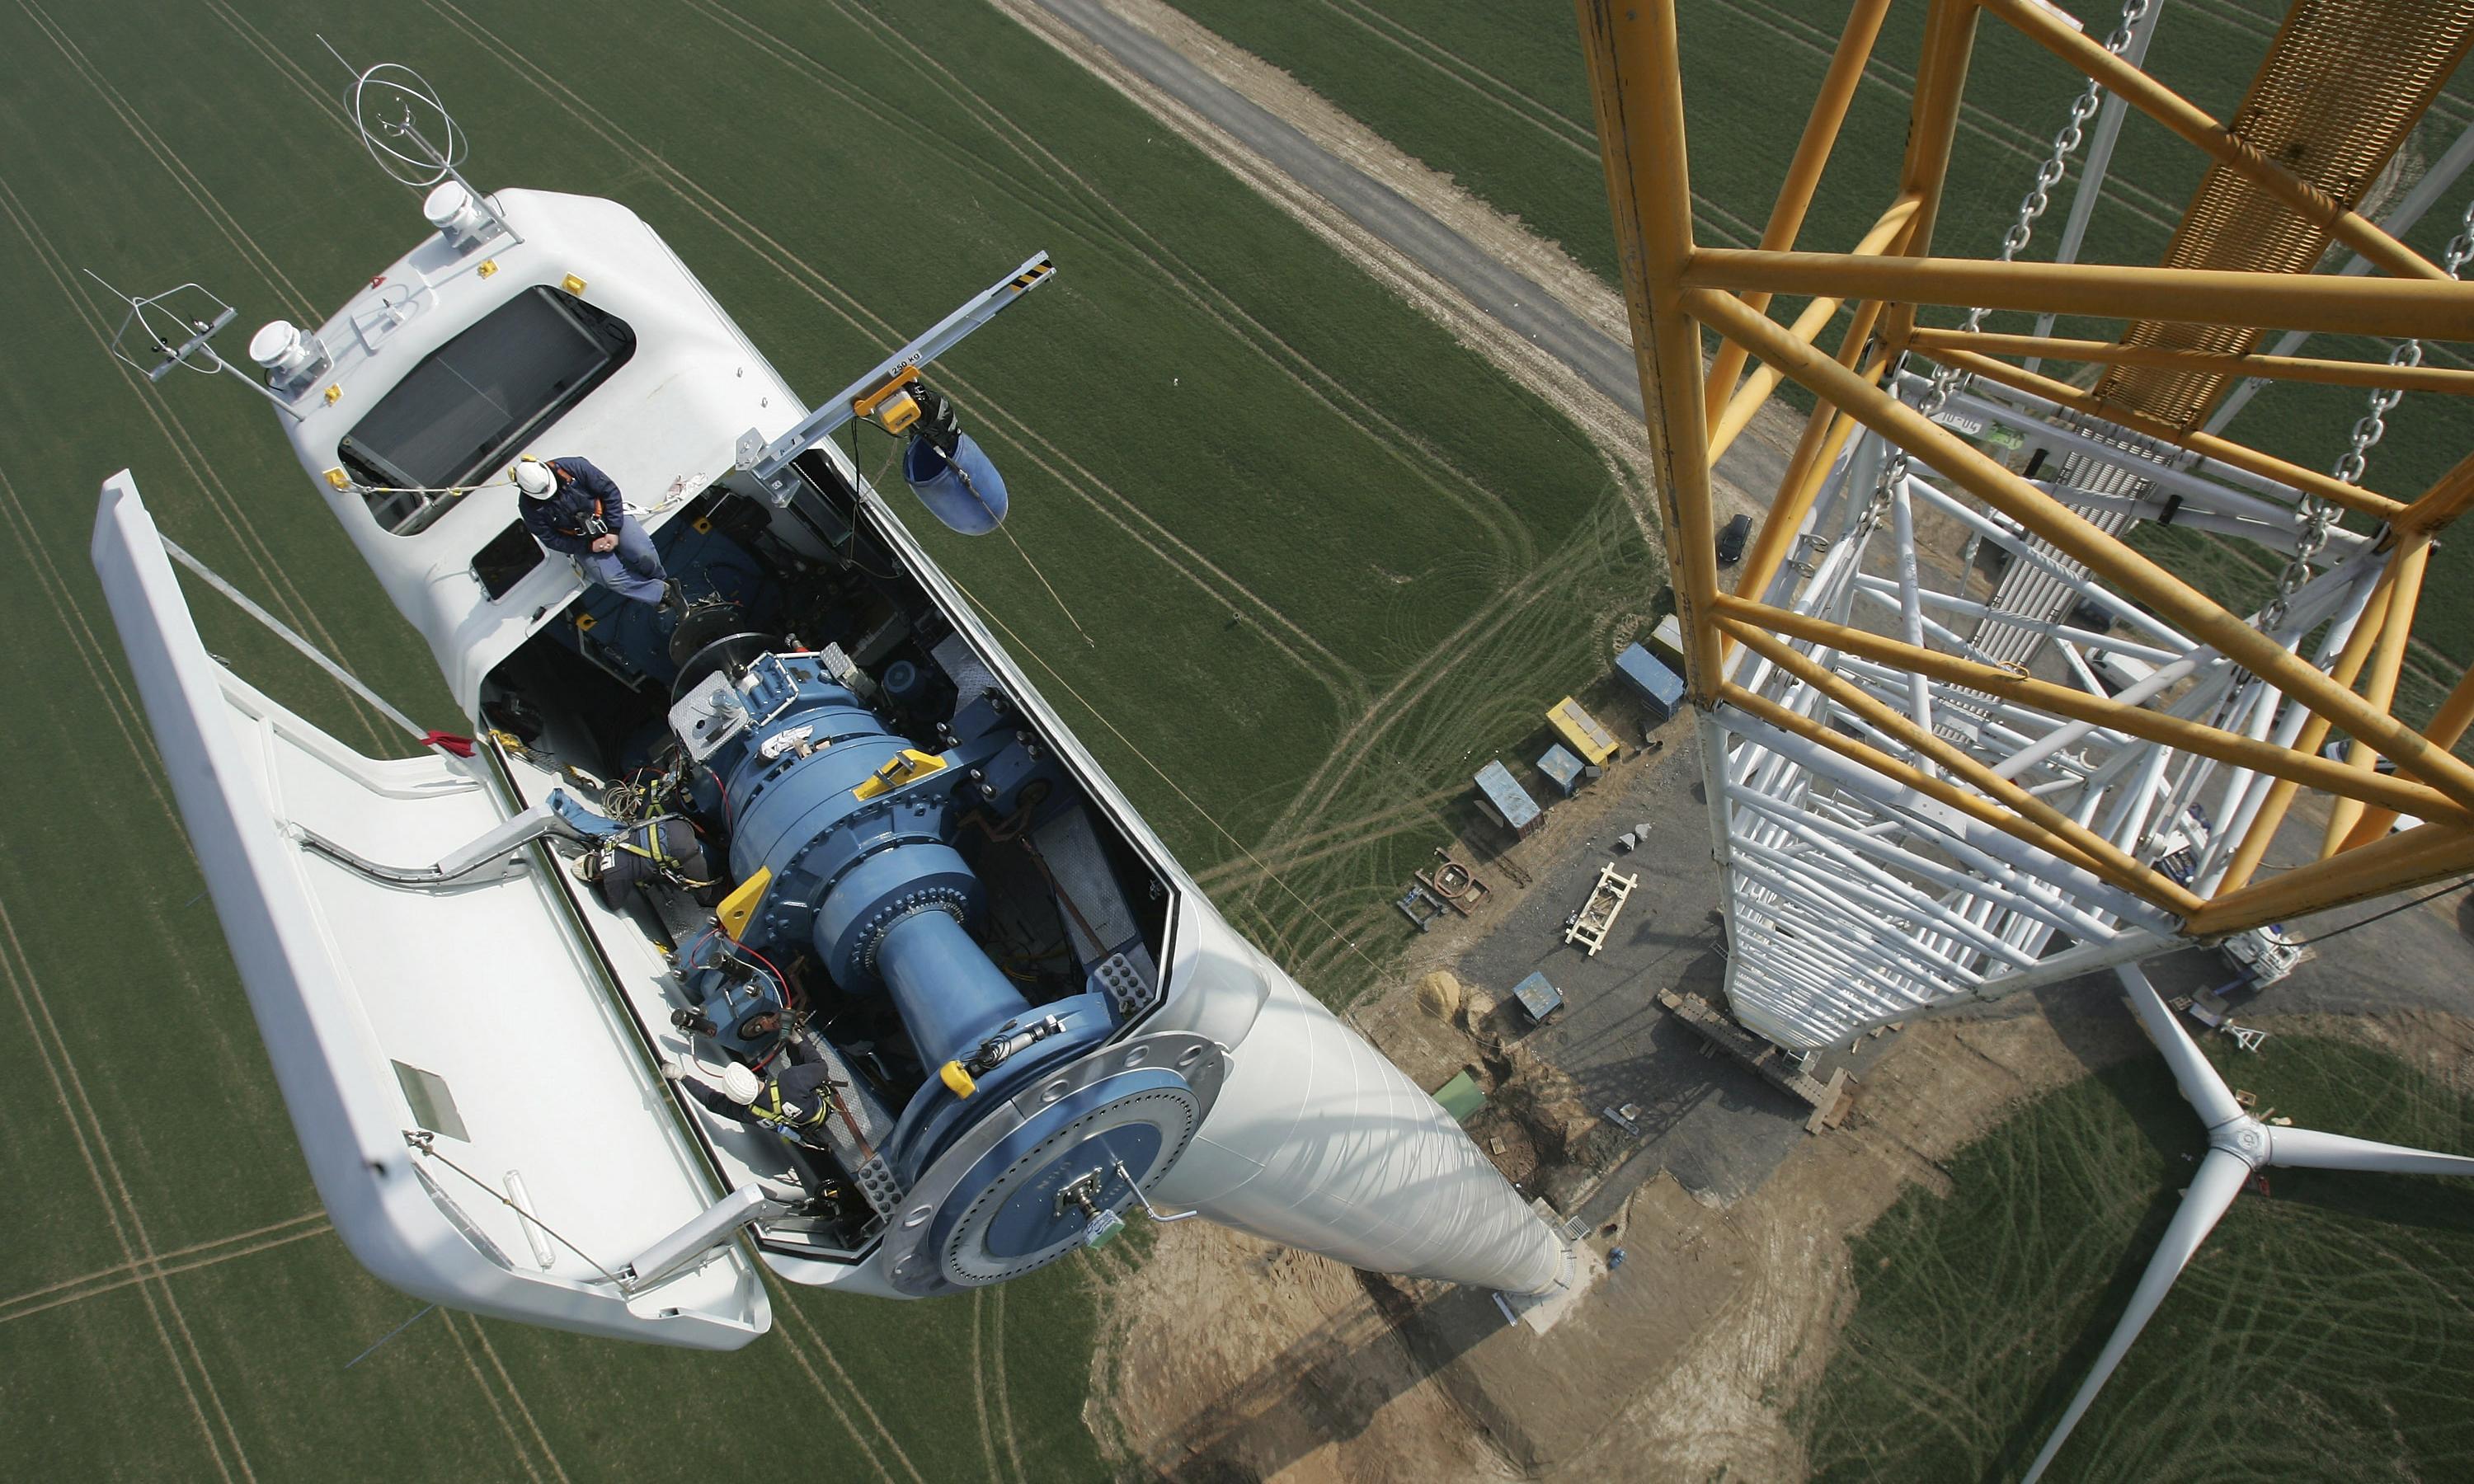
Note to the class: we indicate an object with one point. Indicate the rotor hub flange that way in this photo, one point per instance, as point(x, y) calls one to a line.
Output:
point(1019, 1190)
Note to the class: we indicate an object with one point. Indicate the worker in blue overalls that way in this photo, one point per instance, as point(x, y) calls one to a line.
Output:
point(571, 506)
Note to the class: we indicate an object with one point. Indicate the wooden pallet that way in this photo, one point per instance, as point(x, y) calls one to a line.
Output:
point(1590, 926)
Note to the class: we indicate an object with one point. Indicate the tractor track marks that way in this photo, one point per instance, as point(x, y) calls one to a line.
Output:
point(815, 283)
point(1490, 510)
point(120, 1208)
point(285, 597)
point(89, 1285)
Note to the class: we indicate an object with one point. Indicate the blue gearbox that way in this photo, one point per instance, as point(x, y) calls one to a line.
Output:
point(852, 826)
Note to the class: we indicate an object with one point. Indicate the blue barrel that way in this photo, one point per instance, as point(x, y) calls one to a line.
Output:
point(965, 491)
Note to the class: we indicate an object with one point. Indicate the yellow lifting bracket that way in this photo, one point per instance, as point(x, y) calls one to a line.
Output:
point(912, 763)
point(740, 905)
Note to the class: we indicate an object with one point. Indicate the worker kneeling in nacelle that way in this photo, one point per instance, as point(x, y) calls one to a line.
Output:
point(794, 1103)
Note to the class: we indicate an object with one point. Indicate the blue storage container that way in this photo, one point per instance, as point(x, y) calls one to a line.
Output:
point(1537, 998)
point(1659, 687)
point(1561, 768)
point(1506, 800)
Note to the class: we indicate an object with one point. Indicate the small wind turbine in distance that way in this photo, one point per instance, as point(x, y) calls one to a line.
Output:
point(2237, 1144)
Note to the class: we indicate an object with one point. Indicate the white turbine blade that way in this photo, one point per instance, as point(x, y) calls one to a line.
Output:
point(2312, 1150)
point(2193, 1073)
point(2211, 1190)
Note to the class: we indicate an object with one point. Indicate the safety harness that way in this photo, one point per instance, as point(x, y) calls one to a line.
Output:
point(790, 1119)
point(599, 524)
point(669, 866)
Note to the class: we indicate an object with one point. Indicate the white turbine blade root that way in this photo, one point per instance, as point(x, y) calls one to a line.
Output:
point(2193, 1073)
point(2312, 1150)
point(2211, 1190)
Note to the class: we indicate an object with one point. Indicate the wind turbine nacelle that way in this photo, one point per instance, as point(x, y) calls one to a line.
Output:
point(843, 834)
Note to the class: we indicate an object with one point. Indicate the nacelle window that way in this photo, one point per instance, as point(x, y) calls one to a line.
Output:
point(471, 404)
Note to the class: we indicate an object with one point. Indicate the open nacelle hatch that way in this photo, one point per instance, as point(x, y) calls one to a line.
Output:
point(460, 1162)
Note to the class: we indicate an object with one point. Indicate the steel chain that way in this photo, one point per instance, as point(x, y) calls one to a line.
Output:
point(2317, 515)
point(2031, 206)
point(2373, 426)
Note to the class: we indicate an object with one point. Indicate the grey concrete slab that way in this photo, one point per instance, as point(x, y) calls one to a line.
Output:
point(1717, 1126)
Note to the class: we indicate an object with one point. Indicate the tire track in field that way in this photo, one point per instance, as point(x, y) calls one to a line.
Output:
point(1346, 753)
point(1489, 510)
point(1581, 138)
point(489, 1393)
point(1353, 750)
point(1343, 681)
point(517, 1396)
point(1433, 670)
point(196, 189)
point(850, 1387)
point(17, 1308)
point(833, 1400)
point(1321, 960)
point(1281, 861)
point(1336, 851)
point(1444, 725)
point(117, 702)
point(68, 1089)
point(821, 288)
point(292, 71)
point(1004, 1401)
point(192, 1250)
point(1562, 129)
point(980, 1385)
point(219, 498)
point(1991, 128)
point(1335, 876)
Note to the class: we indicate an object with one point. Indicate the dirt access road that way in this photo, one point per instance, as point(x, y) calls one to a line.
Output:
point(1518, 299)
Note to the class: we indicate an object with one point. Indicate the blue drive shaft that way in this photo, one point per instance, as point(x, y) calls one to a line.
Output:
point(949, 994)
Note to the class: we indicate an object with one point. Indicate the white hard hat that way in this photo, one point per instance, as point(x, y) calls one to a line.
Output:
point(533, 478)
point(740, 1084)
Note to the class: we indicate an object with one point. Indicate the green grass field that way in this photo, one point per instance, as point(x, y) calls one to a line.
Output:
point(1331, 560)
point(1498, 96)
point(1322, 550)
point(2320, 1334)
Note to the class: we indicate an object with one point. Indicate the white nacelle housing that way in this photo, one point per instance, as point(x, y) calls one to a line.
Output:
point(529, 1175)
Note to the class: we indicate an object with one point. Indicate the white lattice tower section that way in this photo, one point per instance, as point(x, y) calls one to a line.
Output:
point(1854, 901)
